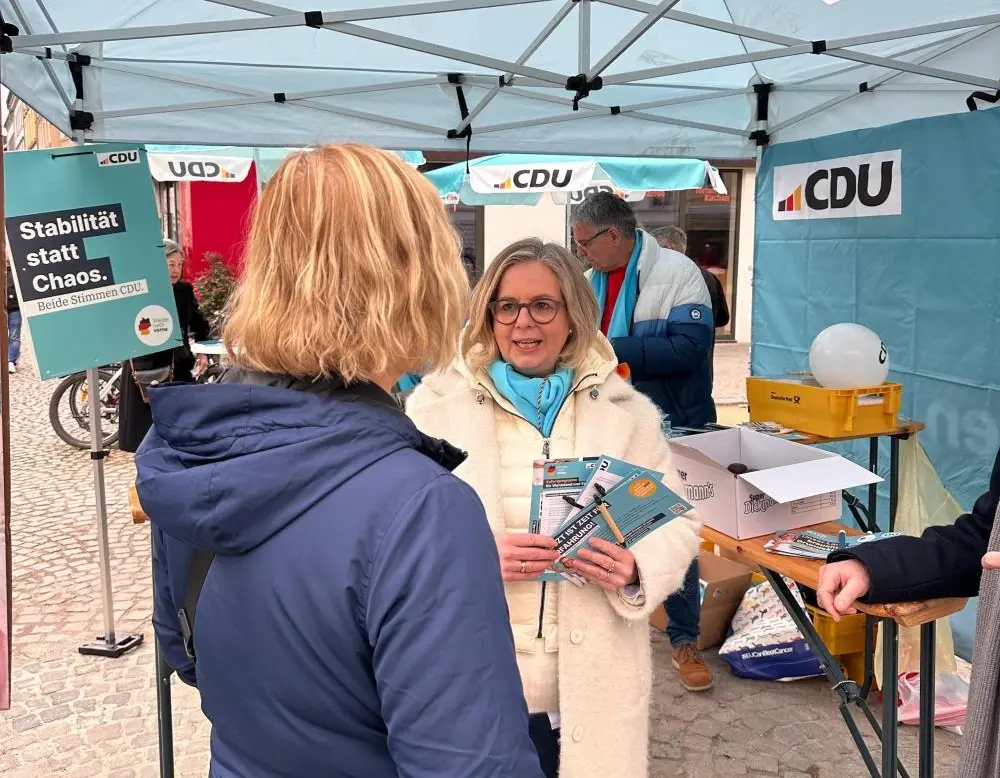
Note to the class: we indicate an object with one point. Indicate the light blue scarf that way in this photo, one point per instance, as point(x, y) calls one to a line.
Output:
point(407, 382)
point(621, 317)
point(523, 393)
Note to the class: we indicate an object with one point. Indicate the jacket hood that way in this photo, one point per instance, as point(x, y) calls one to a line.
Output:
point(228, 465)
point(600, 363)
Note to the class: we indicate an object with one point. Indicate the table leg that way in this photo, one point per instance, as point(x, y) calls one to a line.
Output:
point(893, 480)
point(164, 713)
point(873, 489)
point(928, 637)
point(890, 671)
point(866, 687)
point(845, 688)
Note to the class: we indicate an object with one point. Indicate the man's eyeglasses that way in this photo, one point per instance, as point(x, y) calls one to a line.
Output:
point(542, 310)
point(585, 243)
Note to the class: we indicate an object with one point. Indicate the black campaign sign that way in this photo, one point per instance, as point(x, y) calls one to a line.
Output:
point(49, 251)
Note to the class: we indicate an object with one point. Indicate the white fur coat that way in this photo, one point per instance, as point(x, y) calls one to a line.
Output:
point(605, 675)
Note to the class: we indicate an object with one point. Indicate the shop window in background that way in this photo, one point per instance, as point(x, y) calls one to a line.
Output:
point(166, 206)
point(710, 221)
point(468, 221)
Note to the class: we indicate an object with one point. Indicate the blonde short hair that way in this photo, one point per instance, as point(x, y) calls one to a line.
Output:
point(480, 347)
point(352, 268)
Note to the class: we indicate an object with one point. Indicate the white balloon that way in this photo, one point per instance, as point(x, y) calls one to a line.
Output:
point(848, 356)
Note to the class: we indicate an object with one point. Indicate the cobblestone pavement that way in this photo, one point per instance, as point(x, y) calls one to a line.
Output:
point(732, 366)
point(84, 717)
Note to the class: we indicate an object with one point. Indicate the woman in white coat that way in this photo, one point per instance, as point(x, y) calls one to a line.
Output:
point(535, 379)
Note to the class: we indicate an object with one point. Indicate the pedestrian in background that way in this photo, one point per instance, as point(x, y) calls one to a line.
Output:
point(656, 311)
point(675, 239)
point(172, 365)
point(13, 323)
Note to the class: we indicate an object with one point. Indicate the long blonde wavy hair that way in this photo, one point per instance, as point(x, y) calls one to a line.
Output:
point(352, 268)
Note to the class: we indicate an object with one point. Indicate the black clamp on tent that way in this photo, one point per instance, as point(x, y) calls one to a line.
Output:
point(463, 108)
point(763, 92)
point(582, 87)
point(7, 31)
point(79, 120)
point(986, 97)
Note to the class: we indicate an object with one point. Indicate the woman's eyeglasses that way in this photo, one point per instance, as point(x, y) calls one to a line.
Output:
point(541, 311)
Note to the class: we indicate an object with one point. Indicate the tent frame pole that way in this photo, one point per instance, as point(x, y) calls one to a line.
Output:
point(879, 82)
point(289, 18)
point(23, 22)
point(630, 38)
point(531, 48)
point(583, 57)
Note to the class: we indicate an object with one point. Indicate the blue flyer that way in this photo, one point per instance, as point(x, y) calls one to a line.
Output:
point(87, 256)
point(639, 504)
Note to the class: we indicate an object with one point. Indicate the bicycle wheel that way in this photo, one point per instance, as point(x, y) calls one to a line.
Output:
point(69, 410)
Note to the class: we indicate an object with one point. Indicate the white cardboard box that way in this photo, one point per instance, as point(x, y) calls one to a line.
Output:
point(791, 485)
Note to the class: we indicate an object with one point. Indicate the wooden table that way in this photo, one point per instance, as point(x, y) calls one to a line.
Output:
point(805, 572)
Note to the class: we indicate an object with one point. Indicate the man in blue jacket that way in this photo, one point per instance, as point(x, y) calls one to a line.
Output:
point(657, 313)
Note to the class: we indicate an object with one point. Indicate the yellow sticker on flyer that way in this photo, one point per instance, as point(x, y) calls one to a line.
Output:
point(643, 487)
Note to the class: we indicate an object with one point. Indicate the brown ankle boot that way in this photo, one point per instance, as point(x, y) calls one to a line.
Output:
point(694, 673)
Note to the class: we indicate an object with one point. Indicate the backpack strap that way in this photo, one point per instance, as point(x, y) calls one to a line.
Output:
point(195, 580)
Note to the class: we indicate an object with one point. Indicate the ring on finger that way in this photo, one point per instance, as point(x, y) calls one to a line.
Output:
point(607, 576)
point(524, 567)
point(611, 569)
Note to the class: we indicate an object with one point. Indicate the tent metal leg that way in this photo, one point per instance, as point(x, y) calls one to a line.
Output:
point(928, 636)
point(164, 714)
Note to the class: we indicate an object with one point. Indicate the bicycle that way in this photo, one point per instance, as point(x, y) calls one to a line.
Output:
point(74, 388)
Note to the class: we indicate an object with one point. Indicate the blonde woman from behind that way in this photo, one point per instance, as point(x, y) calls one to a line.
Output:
point(534, 379)
point(348, 626)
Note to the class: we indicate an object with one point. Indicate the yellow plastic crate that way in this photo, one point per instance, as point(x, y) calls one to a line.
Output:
point(853, 666)
point(804, 405)
point(842, 638)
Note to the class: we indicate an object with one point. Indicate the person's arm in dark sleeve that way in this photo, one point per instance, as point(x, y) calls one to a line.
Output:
point(198, 324)
point(943, 562)
point(680, 344)
point(165, 622)
point(444, 662)
point(720, 308)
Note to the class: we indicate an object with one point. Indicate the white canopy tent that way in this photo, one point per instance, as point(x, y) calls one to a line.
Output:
point(705, 78)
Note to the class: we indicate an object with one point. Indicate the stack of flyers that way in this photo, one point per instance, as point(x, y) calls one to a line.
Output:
point(624, 515)
point(571, 500)
point(810, 544)
point(556, 485)
point(552, 482)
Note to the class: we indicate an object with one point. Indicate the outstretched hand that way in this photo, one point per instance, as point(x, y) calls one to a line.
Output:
point(840, 586)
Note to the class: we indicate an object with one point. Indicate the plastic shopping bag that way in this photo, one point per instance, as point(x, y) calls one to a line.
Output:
point(923, 502)
point(951, 695)
point(764, 642)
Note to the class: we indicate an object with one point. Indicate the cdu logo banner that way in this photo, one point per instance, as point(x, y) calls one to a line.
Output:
point(844, 188)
